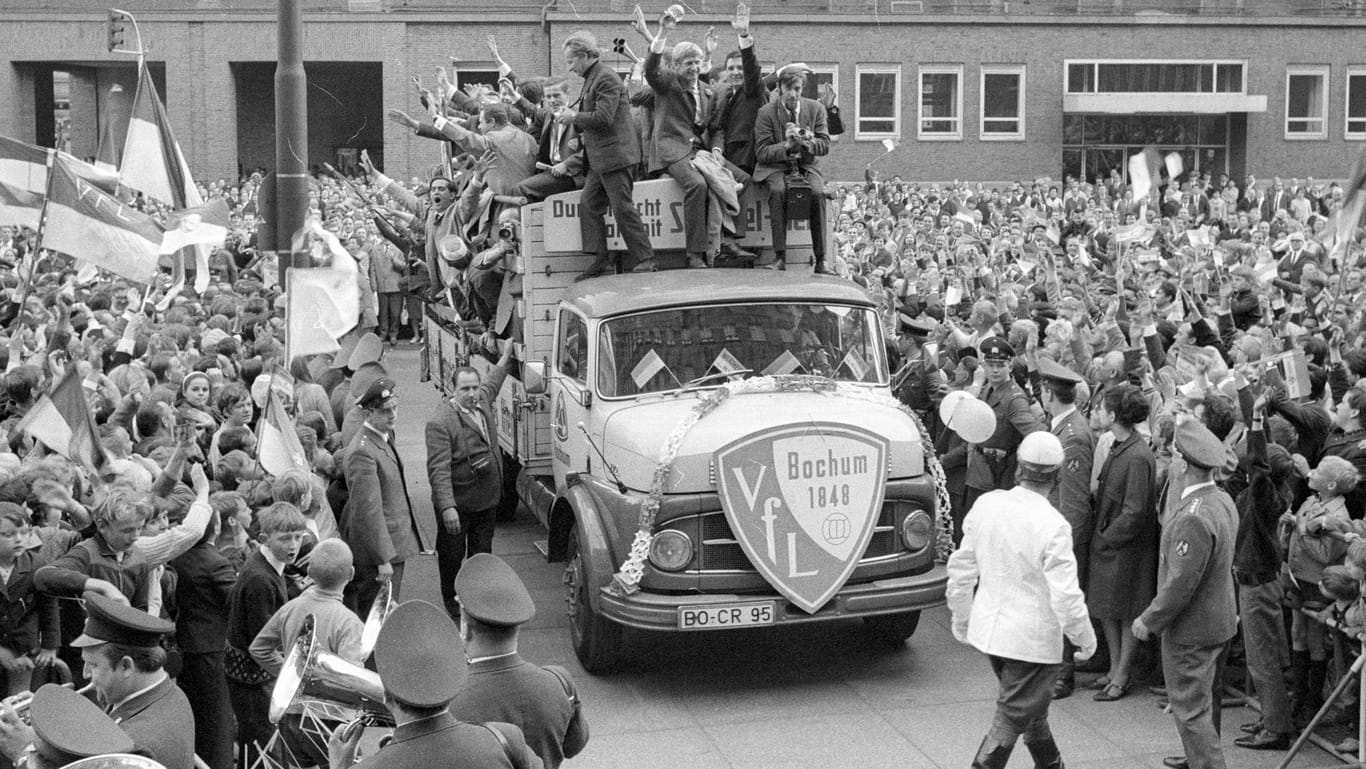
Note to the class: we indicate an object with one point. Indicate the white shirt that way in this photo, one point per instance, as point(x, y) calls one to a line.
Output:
point(275, 563)
point(1057, 420)
point(1017, 555)
point(1189, 490)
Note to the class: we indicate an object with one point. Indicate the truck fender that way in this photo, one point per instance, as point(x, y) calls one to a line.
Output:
point(592, 538)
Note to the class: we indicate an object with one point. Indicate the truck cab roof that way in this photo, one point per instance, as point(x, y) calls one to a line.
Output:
point(621, 294)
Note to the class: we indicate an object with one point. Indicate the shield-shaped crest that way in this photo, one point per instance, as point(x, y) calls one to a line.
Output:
point(803, 501)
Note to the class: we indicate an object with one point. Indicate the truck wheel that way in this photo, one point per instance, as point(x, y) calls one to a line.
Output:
point(892, 630)
point(596, 640)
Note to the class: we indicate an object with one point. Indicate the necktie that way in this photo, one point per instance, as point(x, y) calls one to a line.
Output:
point(697, 105)
point(555, 143)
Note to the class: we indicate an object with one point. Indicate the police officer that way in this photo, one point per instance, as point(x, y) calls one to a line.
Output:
point(121, 648)
point(1072, 494)
point(501, 685)
point(991, 464)
point(413, 658)
point(1013, 592)
point(66, 728)
point(918, 381)
point(1194, 609)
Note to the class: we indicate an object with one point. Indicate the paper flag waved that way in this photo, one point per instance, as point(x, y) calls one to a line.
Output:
point(889, 144)
point(647, 368)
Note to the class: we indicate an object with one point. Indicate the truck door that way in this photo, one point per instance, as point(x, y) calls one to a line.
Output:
point(570, 393)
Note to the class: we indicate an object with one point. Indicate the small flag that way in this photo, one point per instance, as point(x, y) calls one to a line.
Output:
point(1175, 166)
point(205, 225)
point(954, 295)
point(62, 422)
point(647, 368)
point(783, 364)
point(856, 365)
point(1198, 237)
point(88, 223)
point(888, 145)
point(727, 363)
point(1137, 232)
point(279, 449)
point(1026, 266)
point(1143, 171)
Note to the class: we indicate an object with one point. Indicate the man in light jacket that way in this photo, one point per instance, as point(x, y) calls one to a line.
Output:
point(1017, 557)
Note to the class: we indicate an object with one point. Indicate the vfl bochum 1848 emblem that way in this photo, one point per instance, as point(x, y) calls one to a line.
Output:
point(803, 501)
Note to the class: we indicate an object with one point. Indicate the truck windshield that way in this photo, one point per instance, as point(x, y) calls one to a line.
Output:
point(660, 351)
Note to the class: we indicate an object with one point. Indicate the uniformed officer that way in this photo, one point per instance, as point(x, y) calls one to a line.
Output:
point(918, 381)
point(413, 658)
point(121, 648)
point(501, 685)
point(1013, 592)
point(66, 728)
point(1194, 609)
point(991, 464)
point(1072, 494)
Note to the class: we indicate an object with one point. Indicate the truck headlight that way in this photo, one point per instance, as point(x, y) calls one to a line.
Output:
point(670, 550)
point(917, 530)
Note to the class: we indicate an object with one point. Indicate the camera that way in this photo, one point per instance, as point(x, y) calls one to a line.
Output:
point(508, 230)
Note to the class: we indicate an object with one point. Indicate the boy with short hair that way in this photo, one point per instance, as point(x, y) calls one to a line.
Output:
point(260, 591)
point(109, 563)
point(30, 632)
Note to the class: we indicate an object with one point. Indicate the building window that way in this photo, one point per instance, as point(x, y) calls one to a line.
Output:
point(877, 102)
point(1002, 103)
point(821, 74)
point(1155, 77)
point(1356, 102)
point(1306, 103)
point(941, 103)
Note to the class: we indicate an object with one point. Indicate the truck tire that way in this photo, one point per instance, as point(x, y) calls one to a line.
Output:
point(596, 639)
point(892, 630)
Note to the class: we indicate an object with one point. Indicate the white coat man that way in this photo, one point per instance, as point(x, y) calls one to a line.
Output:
point(1014, 595)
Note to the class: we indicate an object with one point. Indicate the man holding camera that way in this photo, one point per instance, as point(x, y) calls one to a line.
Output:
point(789, 135)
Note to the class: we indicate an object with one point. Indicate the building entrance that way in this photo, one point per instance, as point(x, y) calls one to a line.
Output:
point(1095, 144)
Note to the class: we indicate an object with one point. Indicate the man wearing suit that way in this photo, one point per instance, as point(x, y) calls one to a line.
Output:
point(603, 119)
point(1013, 593)
point(682, 116)
point(378, 521)
point(501, 686)
point(121, 647)
point(465, 467)
point(732, 127)
point(789, 135)
point(1072, 494)
point(991, 464)
point(1277, 199)
point(514, 147)
point(1194, 610)
point(561, 150)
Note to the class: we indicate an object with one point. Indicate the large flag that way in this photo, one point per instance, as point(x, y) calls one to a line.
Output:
point(322, 303)
point(62, 422)
point(23, 180)
point(88, 223)
point(278, 447)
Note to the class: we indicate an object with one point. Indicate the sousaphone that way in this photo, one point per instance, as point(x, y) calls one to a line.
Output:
point(379, 611)
point(312, 674)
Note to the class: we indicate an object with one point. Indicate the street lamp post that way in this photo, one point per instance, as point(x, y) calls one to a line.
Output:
point(291, 136)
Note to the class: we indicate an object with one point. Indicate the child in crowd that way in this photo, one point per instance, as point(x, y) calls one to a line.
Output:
point(29, 629)
point(109, 563)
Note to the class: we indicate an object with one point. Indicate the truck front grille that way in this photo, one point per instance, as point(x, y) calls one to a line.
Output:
point(720, 551)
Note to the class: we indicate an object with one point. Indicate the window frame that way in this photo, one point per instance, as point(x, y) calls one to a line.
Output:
point(1321, 70)
point(833, 70)
point(1095, 64)
point(935, 136)
point(1020, 102)
point(876, 69)
point(567, 320)
point(1359, 71)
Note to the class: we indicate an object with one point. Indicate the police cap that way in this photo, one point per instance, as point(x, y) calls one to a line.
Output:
point(413, 655)
point(110, 622)
point(1055, 373)
point(380, 392)
point(996, 348)
point(68, 727)
point(1198, 445)
point(491, 592)
point(916, 327)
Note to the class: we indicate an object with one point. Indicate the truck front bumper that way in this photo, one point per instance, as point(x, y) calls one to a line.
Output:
point(650, 611)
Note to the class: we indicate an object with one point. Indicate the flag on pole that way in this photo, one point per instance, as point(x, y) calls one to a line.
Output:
point(203, 225)
point(88, 223)
point(23, 180)
point(322, 303)
point(278, 447)
point(62, 422)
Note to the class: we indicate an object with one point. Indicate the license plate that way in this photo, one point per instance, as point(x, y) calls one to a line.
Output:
point(725, 615)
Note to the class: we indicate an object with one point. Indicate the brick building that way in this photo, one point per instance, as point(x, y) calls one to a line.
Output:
point(971, 89)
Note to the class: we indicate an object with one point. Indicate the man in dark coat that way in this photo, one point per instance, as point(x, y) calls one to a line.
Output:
point(790, 134)
point(465, 468)
point(502, 686)
point(603, 118)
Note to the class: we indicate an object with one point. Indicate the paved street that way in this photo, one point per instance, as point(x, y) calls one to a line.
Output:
point(813, 697)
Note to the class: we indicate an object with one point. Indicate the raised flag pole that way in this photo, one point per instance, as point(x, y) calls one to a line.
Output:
point(291, 136)
point(37, 244)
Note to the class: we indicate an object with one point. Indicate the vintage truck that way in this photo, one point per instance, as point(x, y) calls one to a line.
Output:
point(707, 448)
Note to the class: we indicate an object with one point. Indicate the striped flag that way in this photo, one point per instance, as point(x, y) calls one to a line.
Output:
point(278, 447)
point(88, 223)
point(23, 182)
point(62, 422)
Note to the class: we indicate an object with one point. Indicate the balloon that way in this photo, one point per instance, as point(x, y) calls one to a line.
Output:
point(973, 420)
point(950, 403)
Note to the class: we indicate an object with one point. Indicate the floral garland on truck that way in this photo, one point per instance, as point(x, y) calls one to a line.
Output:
point(627, 579)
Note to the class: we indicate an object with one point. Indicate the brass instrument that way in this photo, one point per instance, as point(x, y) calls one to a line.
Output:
point(312, 674)
point(379, 611)
point(23, 700)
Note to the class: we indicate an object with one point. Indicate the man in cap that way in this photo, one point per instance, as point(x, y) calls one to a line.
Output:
point(465, 467)
point(356, 350)
point(412, 656)
point(501, 686)
point(1194, 609)
point(918, 383)
point(1071, 496)
point(121, 648)
point(1013, 592)
point(361, 379)
point(377, 521)
point(66, 728)
point(991, 464)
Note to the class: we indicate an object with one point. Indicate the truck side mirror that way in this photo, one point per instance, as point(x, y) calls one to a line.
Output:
point(533, 377)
